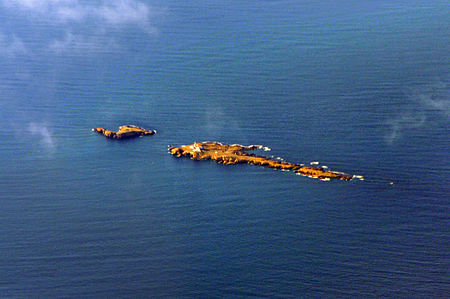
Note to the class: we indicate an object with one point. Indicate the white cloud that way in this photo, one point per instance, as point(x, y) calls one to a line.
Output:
point(404, 122)
point(69, 19)
point(12, 46)
point(438, 100)
point(113, 12)
point(70, 41)
point(124, 11)
point(426, 104)
point(41, 130)
point(79, 44)
point(70, 14)
point(35, 4)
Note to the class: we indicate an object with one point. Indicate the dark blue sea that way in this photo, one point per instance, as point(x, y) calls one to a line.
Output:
point(359, 86)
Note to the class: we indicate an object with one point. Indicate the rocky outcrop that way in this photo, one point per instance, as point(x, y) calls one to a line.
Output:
point(236, 154)
point(124, 132)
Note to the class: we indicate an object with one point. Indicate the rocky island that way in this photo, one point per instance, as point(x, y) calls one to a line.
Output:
point(124, 132)
point(237, 154)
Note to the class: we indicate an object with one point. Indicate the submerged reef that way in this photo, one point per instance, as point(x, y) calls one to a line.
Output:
point(238, 154)
point(124, 132)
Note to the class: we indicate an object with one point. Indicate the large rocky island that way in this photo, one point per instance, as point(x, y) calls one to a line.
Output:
point(236, 154)
point(124, 132)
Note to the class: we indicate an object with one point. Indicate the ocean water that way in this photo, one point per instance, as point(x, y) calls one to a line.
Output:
point(361, 86)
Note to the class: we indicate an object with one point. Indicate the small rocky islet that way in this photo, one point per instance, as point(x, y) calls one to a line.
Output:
point(238, 154)
point(228, 154)
point(124, 132)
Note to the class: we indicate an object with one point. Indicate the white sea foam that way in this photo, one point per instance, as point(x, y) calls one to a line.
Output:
point(338, 172)
point(359, 177)
point(314, 163)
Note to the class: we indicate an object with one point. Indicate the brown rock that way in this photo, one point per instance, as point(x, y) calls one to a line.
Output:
point(124, 132)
